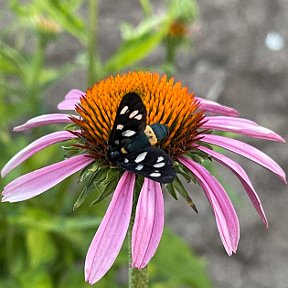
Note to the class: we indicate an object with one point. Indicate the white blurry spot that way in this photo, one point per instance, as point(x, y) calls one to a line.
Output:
point(140, 157)
point(117, 142)
point(160, 158)
point(139, 167)
point(138, 117)
point(274, 41)
point(155, 174)
point(124, 109)
point(119, 127)
point(126, 160)
point(159, 165)
point(134, 113)
point(128, 133)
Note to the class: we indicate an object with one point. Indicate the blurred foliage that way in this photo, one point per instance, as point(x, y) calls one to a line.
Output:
point(43, 241)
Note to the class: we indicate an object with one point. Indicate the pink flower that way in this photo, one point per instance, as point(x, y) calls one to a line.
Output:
point(188, 140)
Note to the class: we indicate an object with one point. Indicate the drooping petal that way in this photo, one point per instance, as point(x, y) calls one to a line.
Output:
point(111, 233)
point(216, 108)
point(240, 126)
point(242, 176)
point(34, 147)
point(43, 120)
point(71, 99)
point(247, 151)
point(67, 105)
point(226, 217)
point(148, 223)
point(38, 181)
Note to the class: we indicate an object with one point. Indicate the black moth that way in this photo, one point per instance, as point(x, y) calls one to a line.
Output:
point(131, 143)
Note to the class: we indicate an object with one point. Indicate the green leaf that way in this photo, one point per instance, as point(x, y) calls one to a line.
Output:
point(134, 51)
point(147, 26)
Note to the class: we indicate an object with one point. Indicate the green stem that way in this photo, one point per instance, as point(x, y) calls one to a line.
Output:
point(138, 278)
point(34, 80)
point(92, 38)
point(146, 7)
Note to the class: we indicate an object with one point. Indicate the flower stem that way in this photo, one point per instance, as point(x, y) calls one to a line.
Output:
point(146, 7)
point(34, 86)
point(91, 41)
point(138, 278)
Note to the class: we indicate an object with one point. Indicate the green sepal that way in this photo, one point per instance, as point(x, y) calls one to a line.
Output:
point(179, 187)
point(70, 151)
point(71, 126)
point(199, 156)
point(195, 157)
point(169, 187)
point(185, 172)
point(90, 169)
point(93, 170)
point(81, 198)
point(106, 185)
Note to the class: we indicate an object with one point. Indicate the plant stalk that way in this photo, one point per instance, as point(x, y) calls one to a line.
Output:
point(138, 278)
point(91, 41)
point(34, 85)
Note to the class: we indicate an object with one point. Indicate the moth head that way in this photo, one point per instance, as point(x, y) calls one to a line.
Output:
point(160, 131)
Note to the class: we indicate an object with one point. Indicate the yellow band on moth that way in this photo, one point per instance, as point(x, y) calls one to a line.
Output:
point(150, 135)
point(123, 150)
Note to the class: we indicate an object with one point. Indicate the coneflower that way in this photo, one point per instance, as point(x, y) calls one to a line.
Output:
point(187, 139)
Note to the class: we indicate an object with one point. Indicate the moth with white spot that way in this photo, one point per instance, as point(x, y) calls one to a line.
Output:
point(132, 143)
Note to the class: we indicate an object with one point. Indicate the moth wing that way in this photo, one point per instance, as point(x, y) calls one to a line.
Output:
point(152, 163)
point(129, 121)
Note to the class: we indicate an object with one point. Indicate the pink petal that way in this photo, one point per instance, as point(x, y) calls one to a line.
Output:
point(38, 181)
point(226, 217)
point(216, 108)
point(43, 120)
point(71, 99)
point(111, 233)
point(34, 147)
point(74, 94)
point(243, 177)
point(67, 105)
point(246, 150)
point(240, 126)
point(148, 223)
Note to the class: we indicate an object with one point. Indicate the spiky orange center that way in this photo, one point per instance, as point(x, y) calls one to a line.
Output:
point(166, 102)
